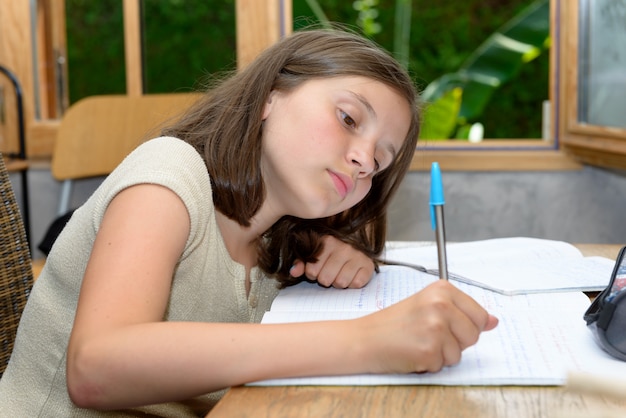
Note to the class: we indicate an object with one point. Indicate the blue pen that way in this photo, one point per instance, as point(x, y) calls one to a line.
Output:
point(436, 218)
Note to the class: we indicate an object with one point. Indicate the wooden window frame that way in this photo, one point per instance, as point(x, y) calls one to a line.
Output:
point(261, 22)
point(509, 154)
point(592, 144)
point(256, 17)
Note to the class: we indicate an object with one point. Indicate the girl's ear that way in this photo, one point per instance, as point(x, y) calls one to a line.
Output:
point(268, 105)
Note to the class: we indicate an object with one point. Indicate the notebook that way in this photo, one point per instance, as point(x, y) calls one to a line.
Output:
point(541, 337)
point(512, 266)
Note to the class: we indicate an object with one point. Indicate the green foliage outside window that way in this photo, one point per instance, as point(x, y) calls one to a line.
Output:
point(186, 40)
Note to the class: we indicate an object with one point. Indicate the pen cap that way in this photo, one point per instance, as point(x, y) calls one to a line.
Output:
point(436, 191)
point(436, 185)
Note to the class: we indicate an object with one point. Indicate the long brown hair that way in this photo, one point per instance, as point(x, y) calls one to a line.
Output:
point(225, 126)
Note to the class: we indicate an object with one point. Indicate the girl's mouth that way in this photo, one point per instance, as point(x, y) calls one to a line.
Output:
point(343, 184)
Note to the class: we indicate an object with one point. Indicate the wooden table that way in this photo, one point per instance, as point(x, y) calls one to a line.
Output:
point(422, 401)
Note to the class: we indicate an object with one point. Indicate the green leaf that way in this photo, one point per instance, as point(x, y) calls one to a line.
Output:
point(496, 61)
point(440, 116)
point(463, 131)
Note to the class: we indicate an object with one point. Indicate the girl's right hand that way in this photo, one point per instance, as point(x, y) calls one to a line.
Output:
point(424, 332)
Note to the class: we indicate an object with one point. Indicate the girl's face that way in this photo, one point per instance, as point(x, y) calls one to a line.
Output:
point(324, 141)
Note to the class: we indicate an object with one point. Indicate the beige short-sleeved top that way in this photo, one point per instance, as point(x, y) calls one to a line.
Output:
point(207, 286)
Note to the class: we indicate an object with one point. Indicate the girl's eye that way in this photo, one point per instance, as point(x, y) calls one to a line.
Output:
point(347, 119)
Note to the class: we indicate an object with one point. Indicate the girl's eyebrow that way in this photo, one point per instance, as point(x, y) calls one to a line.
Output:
point(364, 102)
point(372, 113)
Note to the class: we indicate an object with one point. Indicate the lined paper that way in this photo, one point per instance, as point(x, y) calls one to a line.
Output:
point(539, 339)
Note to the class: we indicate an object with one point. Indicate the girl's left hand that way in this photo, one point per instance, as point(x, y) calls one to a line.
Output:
point(338, 265)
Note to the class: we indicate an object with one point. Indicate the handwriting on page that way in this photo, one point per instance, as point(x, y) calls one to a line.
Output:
point(527, 348)
point(523, 349)
point(540, 336)
point(395, 283)
point(391, 285)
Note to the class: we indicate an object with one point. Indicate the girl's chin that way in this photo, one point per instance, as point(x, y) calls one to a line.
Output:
point(315, 214)
point(324, 207)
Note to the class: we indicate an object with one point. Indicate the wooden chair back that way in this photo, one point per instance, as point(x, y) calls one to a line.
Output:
point(97, 132)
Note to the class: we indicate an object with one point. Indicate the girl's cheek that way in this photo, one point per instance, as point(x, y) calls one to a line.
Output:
point(363, 189)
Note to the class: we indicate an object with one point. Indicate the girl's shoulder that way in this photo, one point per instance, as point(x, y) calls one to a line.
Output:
point(165, 153)
point(168, 161)
point(167, 143)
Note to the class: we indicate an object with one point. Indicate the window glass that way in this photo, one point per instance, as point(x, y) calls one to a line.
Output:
point(185, 41)
point(445, 35)
point(95, 48)
point(602, 59)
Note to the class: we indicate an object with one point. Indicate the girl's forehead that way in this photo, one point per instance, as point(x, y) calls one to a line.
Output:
point(350, 83)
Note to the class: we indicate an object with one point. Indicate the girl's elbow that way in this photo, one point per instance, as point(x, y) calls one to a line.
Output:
point(82, 395)
point(83, 387)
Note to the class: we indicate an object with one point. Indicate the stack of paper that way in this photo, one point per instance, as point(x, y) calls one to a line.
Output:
point(541, 336)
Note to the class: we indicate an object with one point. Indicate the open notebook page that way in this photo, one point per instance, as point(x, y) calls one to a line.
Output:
point(539, 339)
point(514, 265)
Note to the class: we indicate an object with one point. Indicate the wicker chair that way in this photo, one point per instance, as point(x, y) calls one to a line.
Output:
point(16, 274)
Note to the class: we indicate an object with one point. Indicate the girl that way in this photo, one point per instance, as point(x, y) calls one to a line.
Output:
point(150, 299)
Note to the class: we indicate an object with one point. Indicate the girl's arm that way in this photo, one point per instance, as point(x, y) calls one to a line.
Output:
point(122, 354)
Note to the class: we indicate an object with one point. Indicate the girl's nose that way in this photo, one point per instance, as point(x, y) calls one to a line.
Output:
point(362, 156)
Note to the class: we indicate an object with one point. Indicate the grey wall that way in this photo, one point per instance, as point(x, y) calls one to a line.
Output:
point(586, 206)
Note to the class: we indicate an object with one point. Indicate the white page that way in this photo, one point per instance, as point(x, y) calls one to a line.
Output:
point(515, 353)
point(526, 348)
point(514, 265)
point(395, 283)
point(540, 337)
